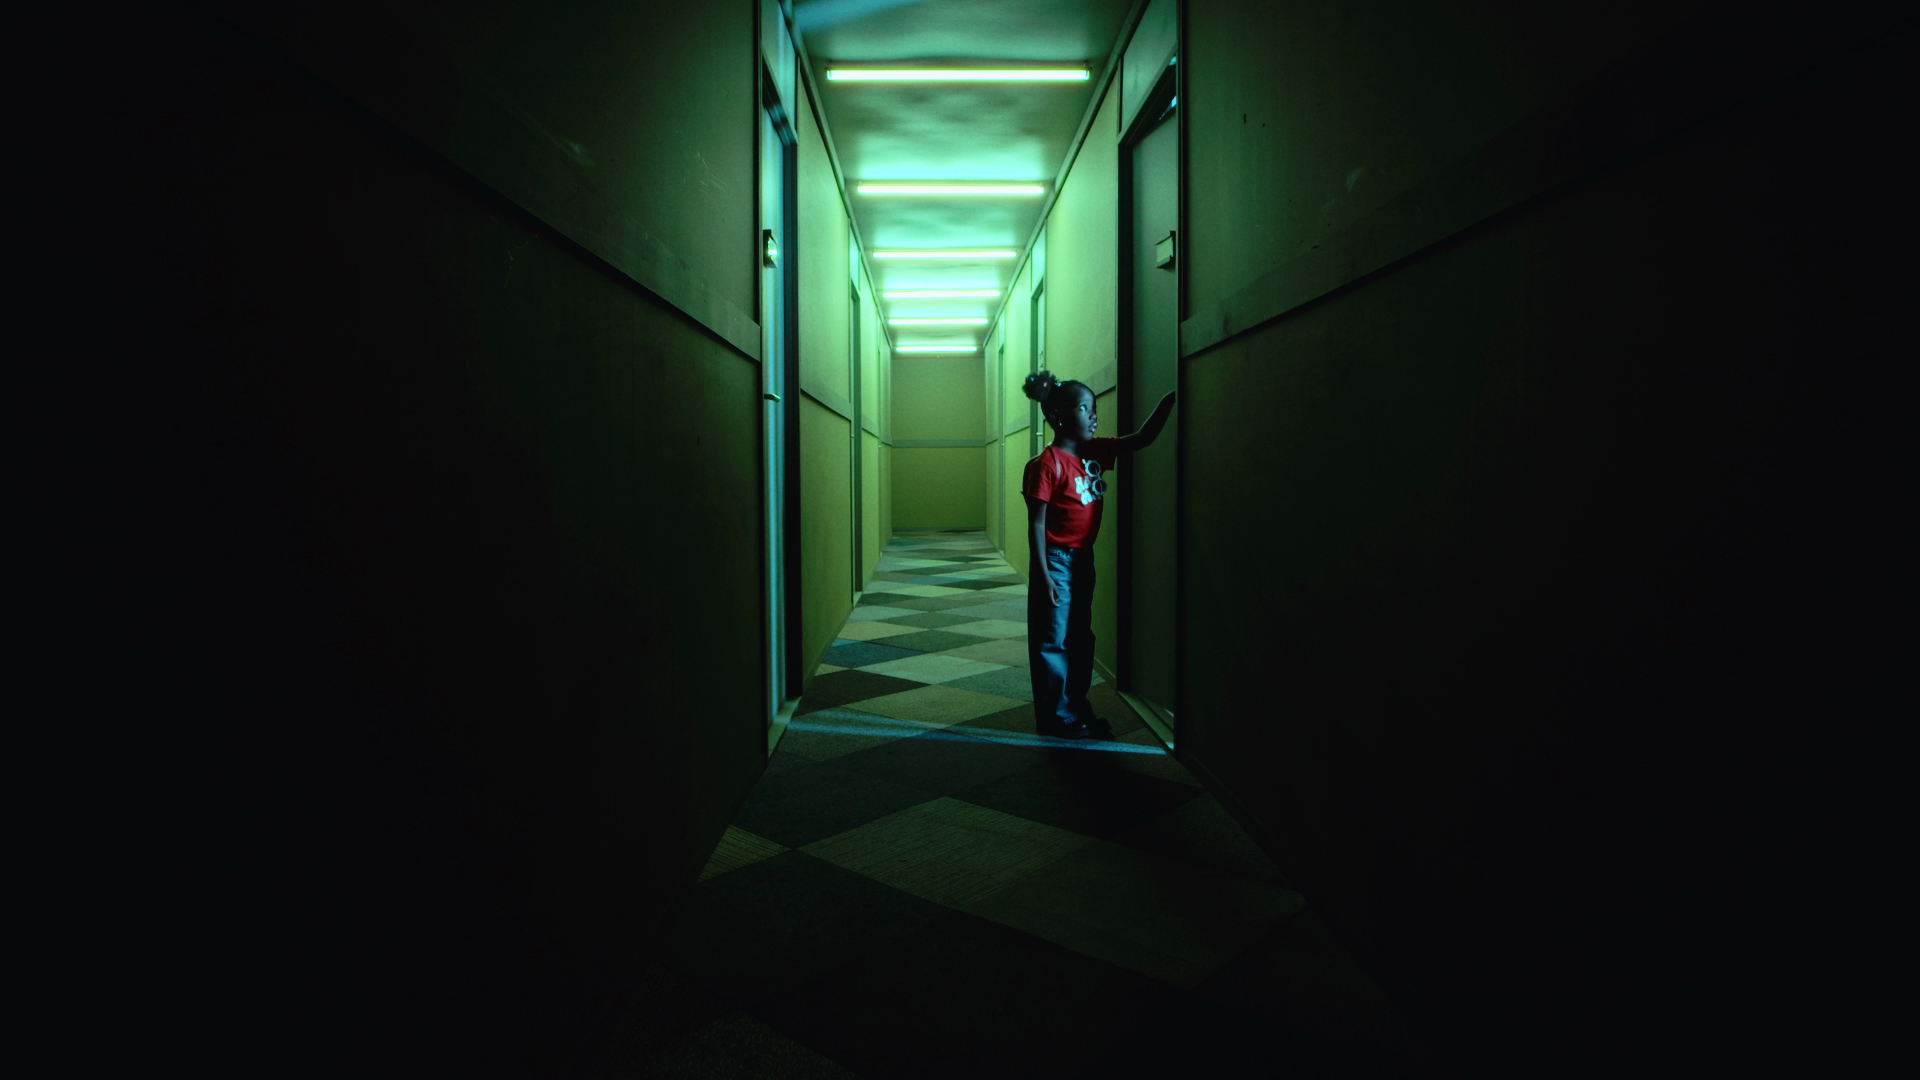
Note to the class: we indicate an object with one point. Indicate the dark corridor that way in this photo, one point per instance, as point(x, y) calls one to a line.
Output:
point(1524, 560)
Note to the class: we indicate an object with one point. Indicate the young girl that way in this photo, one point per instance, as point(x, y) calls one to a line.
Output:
point(1065, 487)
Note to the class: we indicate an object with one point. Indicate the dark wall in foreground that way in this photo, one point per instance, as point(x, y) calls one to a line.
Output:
point(407, 551)
point(1533, 570)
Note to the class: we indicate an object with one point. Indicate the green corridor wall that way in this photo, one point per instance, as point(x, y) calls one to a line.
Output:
point(1013, 439)
point(427, 428)
point(1515, 480)
point(828, 368)
point(939, 461)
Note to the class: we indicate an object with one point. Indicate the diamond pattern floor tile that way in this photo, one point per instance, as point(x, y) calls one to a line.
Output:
point(874, 631)
point(877, 612)
point(916, 862)
point(934, 667)
point(936, 620)
point(1011, 652)
point(933, 641)
point(924, 590)
point(1007, 682)
point(1087, 793)
point(738, 847)
point(994, 609)
point(798, 801)
point(847, 688)
point(937, 704)
point(948, 851)
point(943, 603)
point(986, 628)
point(1018, 718)
point(860, 654)
point(884, 598)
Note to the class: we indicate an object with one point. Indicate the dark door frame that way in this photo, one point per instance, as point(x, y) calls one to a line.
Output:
point(1153, 112)
point(779, 113)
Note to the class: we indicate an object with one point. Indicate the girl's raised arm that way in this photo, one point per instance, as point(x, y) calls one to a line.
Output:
point(1150, 430)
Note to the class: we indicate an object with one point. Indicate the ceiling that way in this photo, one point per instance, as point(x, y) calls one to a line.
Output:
point(952, 132)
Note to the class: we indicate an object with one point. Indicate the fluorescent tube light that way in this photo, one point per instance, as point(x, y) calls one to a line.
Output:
point(989, 253)
point(958, 75)
point(936, 348)
point(937, 322)
point(941, 294)
point(951, 189)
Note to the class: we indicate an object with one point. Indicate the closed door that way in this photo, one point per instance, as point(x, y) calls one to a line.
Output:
point(1151, 477)
point(774, 316)
point(856, 451)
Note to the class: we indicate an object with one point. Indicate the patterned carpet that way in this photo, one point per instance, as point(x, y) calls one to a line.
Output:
point(920, 886)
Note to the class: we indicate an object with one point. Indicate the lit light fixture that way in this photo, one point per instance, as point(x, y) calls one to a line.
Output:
point(941, 294)
point(937, 322)
point(987, 253)
point(1078, 74)
point(951, 189)
point(936, 348)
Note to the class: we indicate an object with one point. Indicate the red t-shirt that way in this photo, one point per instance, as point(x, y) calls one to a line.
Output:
point(1073, 489)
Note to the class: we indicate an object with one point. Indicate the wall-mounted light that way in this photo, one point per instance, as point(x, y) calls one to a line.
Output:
point(941, 294)
point(936, 348)
point(937, 322)
point(987, 253)
point(836, 74)
point(951, 189)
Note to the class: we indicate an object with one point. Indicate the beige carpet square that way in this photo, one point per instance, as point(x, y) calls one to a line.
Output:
point(876, 612)
point(990, 628)
point(872, 630)
point(936, 667)
point(948, 851)
point(937, 704)
point(1010, 652)
point(925, 590)
point(737, 848)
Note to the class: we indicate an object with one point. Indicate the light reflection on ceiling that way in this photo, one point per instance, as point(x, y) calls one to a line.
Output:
point(931, 133)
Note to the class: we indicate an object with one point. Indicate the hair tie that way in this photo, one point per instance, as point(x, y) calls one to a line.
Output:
point(1039, 385)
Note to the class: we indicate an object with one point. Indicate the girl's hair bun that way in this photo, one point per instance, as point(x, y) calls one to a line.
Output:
point(1039, 385)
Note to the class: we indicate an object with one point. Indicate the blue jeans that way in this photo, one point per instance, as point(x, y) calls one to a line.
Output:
point(1060, 639)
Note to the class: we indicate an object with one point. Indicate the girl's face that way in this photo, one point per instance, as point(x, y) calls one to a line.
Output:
point(1082, 421)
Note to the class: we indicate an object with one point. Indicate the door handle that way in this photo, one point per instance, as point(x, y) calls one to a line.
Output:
point(771, 397)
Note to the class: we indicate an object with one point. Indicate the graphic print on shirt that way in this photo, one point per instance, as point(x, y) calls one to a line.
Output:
point(1091, 486)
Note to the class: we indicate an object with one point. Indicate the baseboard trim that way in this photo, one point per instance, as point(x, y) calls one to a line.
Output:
point(785, 716)
point(1157, 720)
point(779, 726)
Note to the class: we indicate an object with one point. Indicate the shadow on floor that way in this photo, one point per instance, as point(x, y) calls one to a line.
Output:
point(919, 886)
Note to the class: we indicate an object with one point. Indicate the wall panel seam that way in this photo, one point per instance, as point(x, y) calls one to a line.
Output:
point(833, 402)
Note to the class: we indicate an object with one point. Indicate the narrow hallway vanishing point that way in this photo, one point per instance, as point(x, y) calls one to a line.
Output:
point(919, 886)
